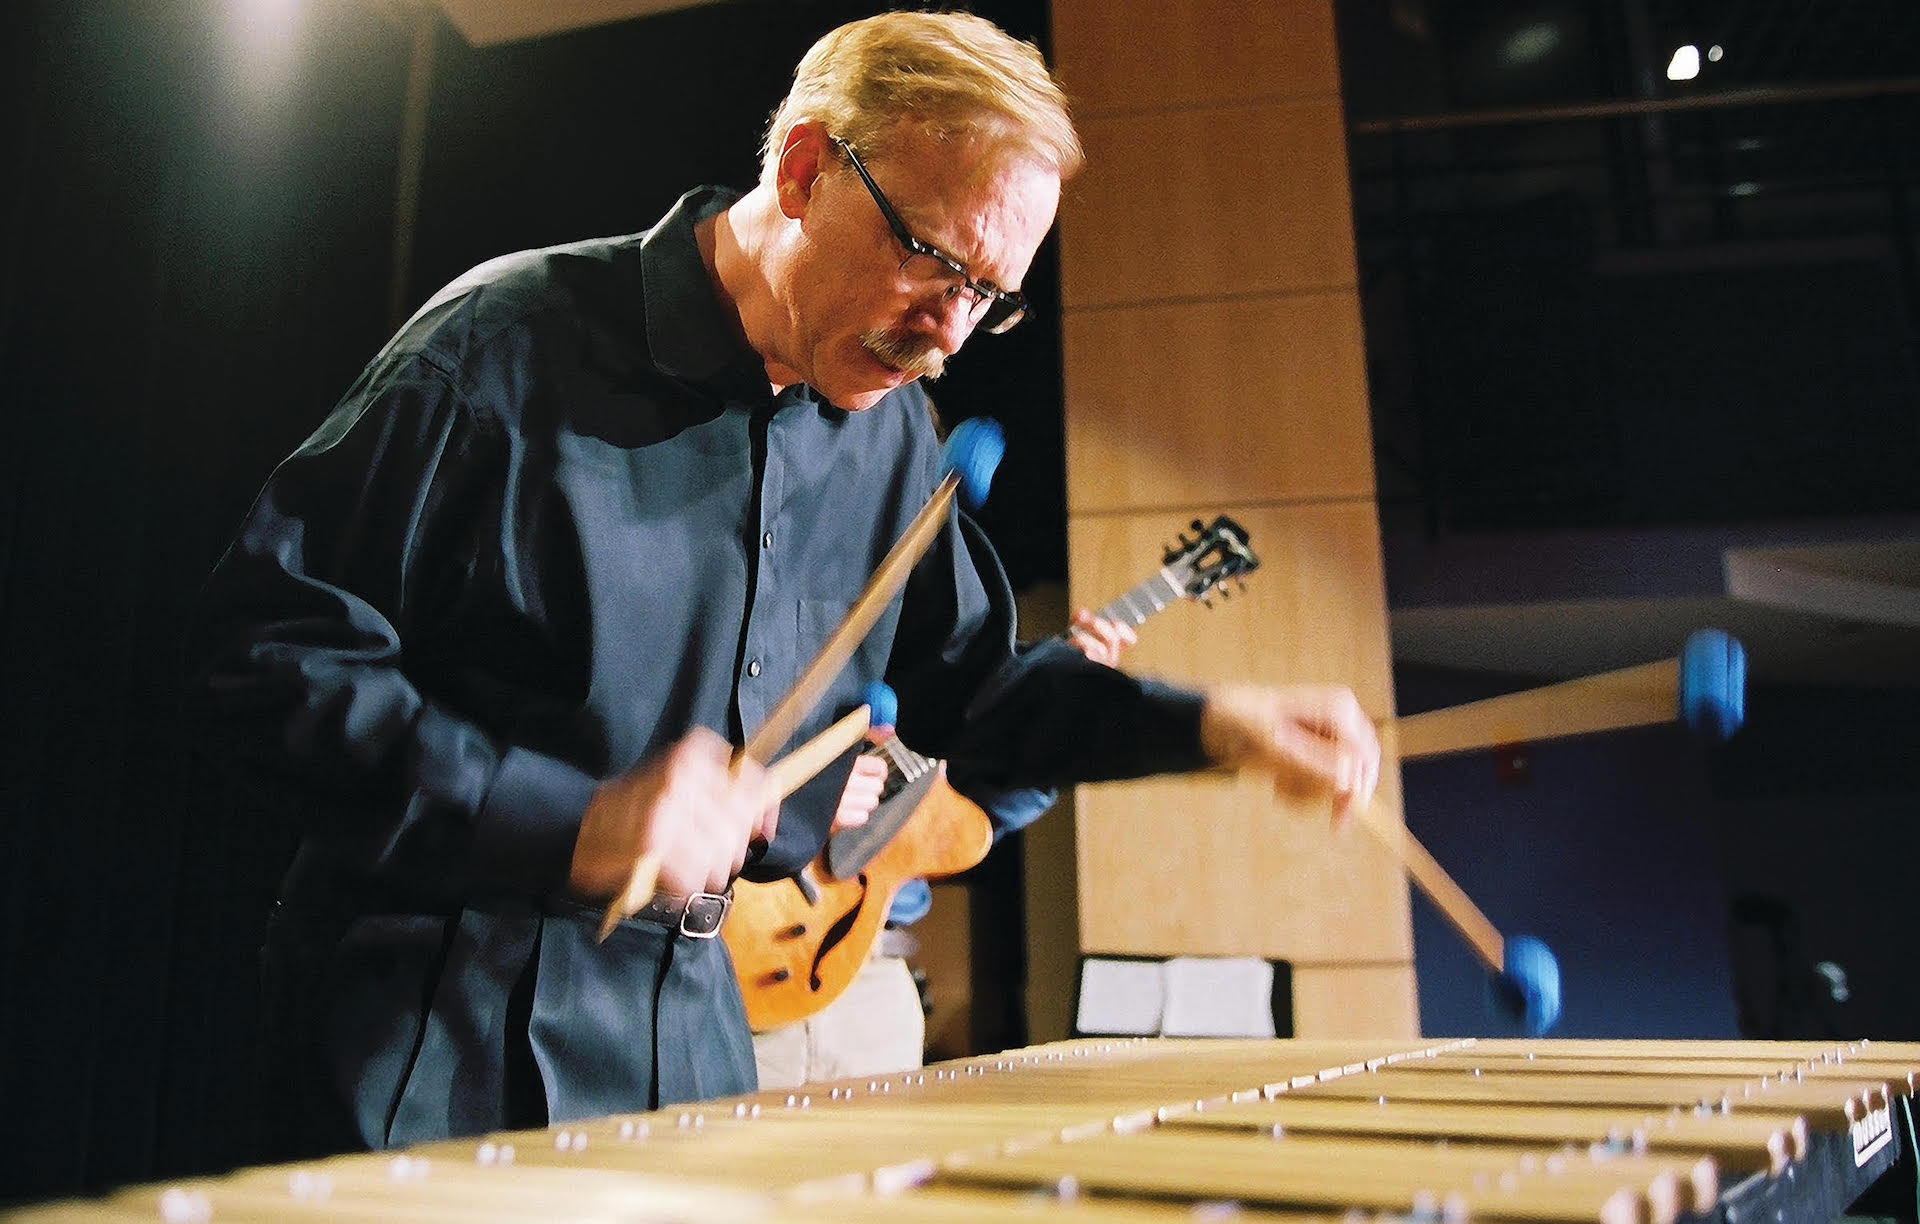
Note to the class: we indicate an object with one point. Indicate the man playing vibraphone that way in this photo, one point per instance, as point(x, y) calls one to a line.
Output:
point(575, 530)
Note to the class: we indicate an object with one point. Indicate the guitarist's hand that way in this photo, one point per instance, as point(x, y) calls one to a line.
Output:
point(1314, 739)
point(1101, 639)
point(864, 784)
point(688, 806)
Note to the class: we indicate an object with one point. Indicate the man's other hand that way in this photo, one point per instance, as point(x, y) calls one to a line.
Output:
point(1314, 739)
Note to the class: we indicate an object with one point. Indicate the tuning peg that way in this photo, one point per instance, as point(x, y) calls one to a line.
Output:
point(1226, 592)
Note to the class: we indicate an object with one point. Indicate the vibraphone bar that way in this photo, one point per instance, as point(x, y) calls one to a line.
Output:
point(1629, 1132)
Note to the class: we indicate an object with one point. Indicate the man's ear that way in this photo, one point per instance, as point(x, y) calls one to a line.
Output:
point(803, 156)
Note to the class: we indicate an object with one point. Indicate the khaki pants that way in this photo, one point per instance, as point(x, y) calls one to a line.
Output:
point(875, 1028)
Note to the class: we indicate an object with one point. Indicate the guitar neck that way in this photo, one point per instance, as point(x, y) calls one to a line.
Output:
point(1134, 606)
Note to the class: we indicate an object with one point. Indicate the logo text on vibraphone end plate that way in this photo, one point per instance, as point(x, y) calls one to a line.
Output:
point(1871, 1132)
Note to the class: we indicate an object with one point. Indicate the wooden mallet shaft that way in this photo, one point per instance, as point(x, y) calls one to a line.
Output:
point(794, 770)
point(1706, 688)
point(1633, 697)
point(886, 582)
point(1448, 897)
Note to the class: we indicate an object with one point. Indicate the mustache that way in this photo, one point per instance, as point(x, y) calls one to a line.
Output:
point(915, 355)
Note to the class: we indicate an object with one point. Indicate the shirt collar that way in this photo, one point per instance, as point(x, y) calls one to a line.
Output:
point(691, 333)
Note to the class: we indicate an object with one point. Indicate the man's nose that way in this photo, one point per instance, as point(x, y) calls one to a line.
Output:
point(953, 315)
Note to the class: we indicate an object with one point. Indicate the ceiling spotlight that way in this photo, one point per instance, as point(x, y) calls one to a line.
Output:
point(1714, 53)
point(1531, 43)
point(1685, 64)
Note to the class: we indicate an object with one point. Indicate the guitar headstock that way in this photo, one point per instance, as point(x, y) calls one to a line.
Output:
point(1218, 552)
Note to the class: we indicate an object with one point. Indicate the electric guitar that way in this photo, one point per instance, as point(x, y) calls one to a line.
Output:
point(797, 943)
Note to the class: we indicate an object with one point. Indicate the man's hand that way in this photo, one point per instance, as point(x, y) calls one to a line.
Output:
point(1100, 639)
point(1314, 739)
point(688, 805)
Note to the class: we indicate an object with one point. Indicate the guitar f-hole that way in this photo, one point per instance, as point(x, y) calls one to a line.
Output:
point(841, 927)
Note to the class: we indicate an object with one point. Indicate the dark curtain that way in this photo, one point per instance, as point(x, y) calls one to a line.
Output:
point(199, 224)
point(192, 195)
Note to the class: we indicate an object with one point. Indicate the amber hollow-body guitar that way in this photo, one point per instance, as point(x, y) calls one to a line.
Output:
point(797, 943)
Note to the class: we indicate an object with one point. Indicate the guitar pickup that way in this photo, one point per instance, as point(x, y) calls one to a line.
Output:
point(807, 887)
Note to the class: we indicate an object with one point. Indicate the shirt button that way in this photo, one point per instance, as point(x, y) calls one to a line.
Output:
point(766, 540)
point(753, 667)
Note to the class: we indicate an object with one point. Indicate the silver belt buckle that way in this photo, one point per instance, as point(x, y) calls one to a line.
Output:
point(704, 913)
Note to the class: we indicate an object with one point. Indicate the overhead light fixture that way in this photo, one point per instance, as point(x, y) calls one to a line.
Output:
point(1685, 64)
point(1531, 43)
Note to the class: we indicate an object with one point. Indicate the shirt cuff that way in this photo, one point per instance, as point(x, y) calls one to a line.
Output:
point(525, 832)
point(1167, 737)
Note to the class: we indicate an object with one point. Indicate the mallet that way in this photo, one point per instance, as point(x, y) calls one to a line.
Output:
point(1705, 688)
point(1525, 976)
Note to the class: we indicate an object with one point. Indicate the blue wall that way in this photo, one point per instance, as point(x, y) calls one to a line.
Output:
point(1604, 847)
point(1627, 852)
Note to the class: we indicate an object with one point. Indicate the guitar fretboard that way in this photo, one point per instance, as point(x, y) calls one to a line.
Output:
point(1136, 605)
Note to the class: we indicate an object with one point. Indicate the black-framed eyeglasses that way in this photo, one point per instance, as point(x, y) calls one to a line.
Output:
point(994, 310)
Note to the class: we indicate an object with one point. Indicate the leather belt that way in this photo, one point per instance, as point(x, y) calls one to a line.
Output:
point(698, 916)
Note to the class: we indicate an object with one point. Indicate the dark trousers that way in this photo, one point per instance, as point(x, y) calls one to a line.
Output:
point(390, 1029)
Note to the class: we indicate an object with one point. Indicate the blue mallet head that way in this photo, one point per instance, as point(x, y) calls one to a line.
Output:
point(883, 708)
point(972, 452)
point(1713, 684)
point(1527, 988)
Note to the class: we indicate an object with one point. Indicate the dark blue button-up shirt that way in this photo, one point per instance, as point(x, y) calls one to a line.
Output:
point(559, 520)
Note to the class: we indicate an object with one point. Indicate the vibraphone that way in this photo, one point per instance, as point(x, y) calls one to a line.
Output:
point(1647, 1132)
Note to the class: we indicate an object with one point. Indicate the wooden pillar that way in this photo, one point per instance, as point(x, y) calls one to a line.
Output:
point(1214, 363)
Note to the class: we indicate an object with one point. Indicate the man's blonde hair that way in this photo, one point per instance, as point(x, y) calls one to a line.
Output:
point(950, 75)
